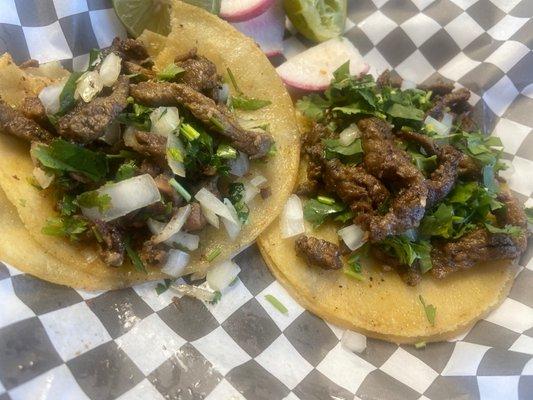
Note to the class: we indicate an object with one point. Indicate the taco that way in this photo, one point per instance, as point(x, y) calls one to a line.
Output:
point(160, 159)
point(401, 227)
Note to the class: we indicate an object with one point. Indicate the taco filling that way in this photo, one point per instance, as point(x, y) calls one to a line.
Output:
point(408, 178)
point(142, 160)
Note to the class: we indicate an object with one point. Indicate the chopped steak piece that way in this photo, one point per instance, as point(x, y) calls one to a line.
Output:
point(31, 63)
point(130, 50)
point(196, 220)
point(150, 144)
point(150, 168)
point(185, 56)
point(200, 73)
point(153, 254)
point(439, 87)
point(130, 68)
point(513, 213)
point(164, 187)
point(319, 252)
point(456, 101)
point(390, 164)
point(88, 121)
point(255, 144)
point(388, 78)
point(32, 108)
point(14, 123)
point(469, 168)
point(307, 188)
point(112, 245)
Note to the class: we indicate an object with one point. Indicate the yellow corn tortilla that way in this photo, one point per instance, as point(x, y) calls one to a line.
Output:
point(256, 77)
point(383, 306)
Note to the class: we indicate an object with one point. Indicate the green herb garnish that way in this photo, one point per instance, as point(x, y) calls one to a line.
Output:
point(248, 103)
point(317, 212)
point(507, 229)
point(278, 305)
point(126, 170)
point(170, 72)
point(216, 297)
point(233, 81)
point(227, 152)
point(189, 132)
point(236, 196)
point(162, 287)
point(67, 100)
point(213, 254)
point(70, 227)
point(134, 257)
point(180, 189)
point(93, 199)
point(430, 310)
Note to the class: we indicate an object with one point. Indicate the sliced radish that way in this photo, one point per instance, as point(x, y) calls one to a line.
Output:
point(313, 69)
point(243, 10)
point(266, 29)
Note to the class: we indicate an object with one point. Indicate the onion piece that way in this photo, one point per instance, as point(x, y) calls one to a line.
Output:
point(49, 97)
point(194, 291)
point(89, 85)
point(126, 196)
point(222, 274)
point(353, 341)
point(233, 225)
point(250, 191)
point(185, 239)
point(176, 262)
point(406, 84)
point(436, 126)
point(349, 134)
point(447, 119)
point(223, 93)
point(258, 181)
point(174, 225)
point(240, 165)
point(210, 217)
point(173, 142)
point(292, 217)
point(353, 236)
point(110, 69)
point(212, 203)
point(43, 178)
point(165, 120)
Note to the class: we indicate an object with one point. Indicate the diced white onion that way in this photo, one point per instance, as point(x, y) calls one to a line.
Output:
point(129, 138)
point(185, 239)
point(353, 236)
point(176, 262)
point(211, 217)
point(126, 196)
point(165, 120)
point(232, 225)
point(110, 69)
point(223, 93)
point(349, 134)
point(240, 165)
point(222, 274)
point(210, 202)
point(173, 142)
point(174, 225)
point(112, 133)
point(194, 291)
point(436, 126)
point(353, 341)
point(258, 181)
point(406, 84)
point(89, 85)
point(250, 191)
point(292, 217)
point(43, 178)
point(49, 97)
point(447, 119)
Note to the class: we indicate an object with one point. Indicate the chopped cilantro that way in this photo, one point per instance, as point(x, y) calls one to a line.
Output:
point(430, 310)
point(247, 103)
point(507, 229)
point(317, 212)
point(93, 199)
point(216, 297)
point(213, 254)
point(61, 155)
point(233, 81)
point(170, 72)
point(407, 251)
point(180, 189)
point(313, 106)
point(67, 226)
point(126, 170)
point(273, 150)
point(162, 287)
point(95, 57)
point(189, 132)
point(236, 196)
point(353, 152)
point(137, 116)
point(397, 110)
point(67, 206)
point(278, 305)
point(354, 267)
point(134, 257)
point(420, 345)
point(424, 163)
point(326, 200)
point(67, 100)
point(175, 154)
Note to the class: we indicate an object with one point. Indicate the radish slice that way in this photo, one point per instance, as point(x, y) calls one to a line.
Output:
point(353, 236)
point(266, 29)
point(176, 262)
point(222, 274)
point(174, 225)
point(292, 217)
point(313, 69)
point(243, 10)
point(353, 341)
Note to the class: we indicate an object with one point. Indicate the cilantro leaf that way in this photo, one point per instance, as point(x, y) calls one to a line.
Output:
point(93, 199)
point(134, 257)
point(67, 205)
point(313, 106)
point(430, 310)
point(66, 98)
point(334, 146)
point(438, 223)
point(236, 196)
point(507, 229)
point(137, 116)
point(126, 170)
point(61, 155)
point(170, 72)
point(317, 212)
point(397, 110)
point(226, 151)
point(216, 297)
point(248, 103)
point(67, 226)
point(407, 252)
point(423, 163)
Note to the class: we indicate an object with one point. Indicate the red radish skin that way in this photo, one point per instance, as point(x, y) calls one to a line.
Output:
point(312, 70)
point(243, 10)
point(266, 29)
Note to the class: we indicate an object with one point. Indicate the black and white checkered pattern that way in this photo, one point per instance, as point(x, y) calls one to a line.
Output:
point(59, 343)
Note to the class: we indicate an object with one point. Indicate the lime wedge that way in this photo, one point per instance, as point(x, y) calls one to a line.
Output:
point(318, 20)
point(138, 15)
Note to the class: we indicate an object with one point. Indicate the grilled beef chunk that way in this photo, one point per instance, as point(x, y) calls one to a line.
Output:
point(153, 254)
point(164, 187)
point(319, 252)
point(438, 88)
point(88, 121)
point(150, 168)
point(442, 180)
point(410, 274)
point(392, 165)
point(456, 101)
point(155, 94)
point(112, 246)
point(388, 78)
point(32, 108)
point(131, 50)
point(130, 68)
point(196, 220)
point(481, 245)
point(149, 144)
point(469, 168)
point(200, 74)
point(14, 123)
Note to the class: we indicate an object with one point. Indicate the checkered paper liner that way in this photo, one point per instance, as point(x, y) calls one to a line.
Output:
point(61, 343)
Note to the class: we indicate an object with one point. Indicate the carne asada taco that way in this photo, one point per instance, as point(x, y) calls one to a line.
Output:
point(162, 158)
point(401, 227)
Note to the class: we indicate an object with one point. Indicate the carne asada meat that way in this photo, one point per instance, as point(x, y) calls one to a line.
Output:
point(88, 121)
point(131, 50)
point(438, 88)
point(388, 78)
point(319, 252)
point(32, 108)
point(14, 123)
point(456, 101)
point(196, 220)
point(410, 274)
point(148, 143)
point(153, 254)
point(112, 246)
point(31, 63)
point(155, 94)
point(200, 74)
point(390, 164)
point(131, 68)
